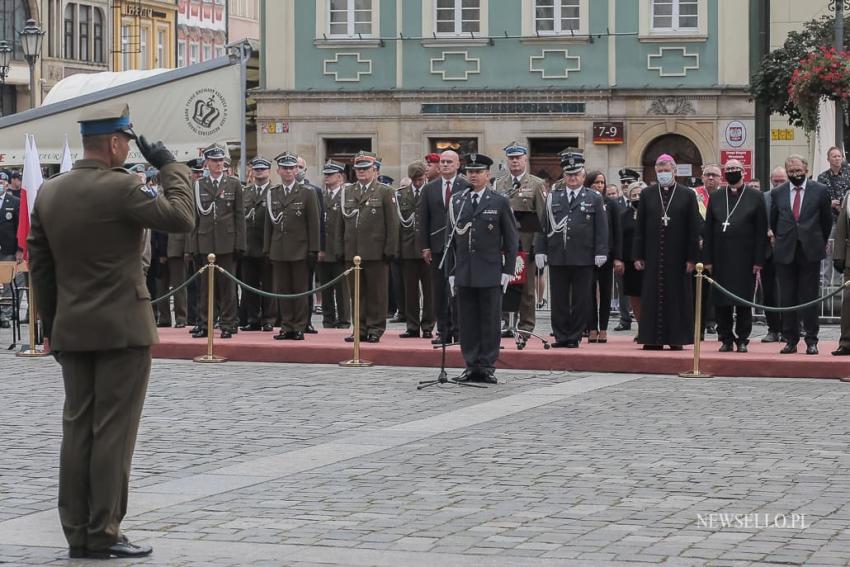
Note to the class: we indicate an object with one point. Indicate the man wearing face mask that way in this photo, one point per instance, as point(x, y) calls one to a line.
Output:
point(801, 220)
point(666, 247)
point(733, 251)
point(9, 207)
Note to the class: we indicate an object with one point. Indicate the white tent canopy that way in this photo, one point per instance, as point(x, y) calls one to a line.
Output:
point(186, 108)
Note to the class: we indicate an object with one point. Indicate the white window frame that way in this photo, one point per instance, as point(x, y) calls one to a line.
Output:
point(126, 56)
point(649, 33)
point(144, 47)
point(558, 10)
point(350, 12)
point(194, 53)
point(181, 52)
point(675, 18)
point(429, 26)
point(458, 20)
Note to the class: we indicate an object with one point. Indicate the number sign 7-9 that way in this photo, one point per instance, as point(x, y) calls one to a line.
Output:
point(608, 132)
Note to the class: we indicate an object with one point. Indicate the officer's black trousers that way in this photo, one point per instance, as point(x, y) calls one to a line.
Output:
point(570, 289)
point(445, 306)
point(743, 323)
point(479, 324)
point(253, 309)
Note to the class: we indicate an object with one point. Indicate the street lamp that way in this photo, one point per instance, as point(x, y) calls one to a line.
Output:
point(31, 38)
point(5, 61)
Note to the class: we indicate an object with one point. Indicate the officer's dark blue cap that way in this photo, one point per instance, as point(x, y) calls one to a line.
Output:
point(478, 162)
point(513, 149)
point(215, 151)
point(3, 176)
point(138, 168)
point(572, 160)
point(385, 179)
point(106, 118)
point(332, 167)
point(259, 162)
point(196, 164)
point(628, 175)
point(286, 159)
point(151, 172)
point(15, 175)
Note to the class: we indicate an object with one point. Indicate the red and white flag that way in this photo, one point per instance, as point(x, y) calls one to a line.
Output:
point(31, 181)
point(66, 163)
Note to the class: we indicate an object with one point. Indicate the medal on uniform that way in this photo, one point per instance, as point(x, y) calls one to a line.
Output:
point(8, 215)
point(490, 227)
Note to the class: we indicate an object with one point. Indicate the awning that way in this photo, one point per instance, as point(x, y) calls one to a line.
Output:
point(187, 108)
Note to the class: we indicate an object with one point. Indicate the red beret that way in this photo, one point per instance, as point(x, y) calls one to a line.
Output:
point(432, 158)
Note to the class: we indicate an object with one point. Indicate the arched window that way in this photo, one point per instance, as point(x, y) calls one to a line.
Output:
point(68, 30)
point(97, 35)
point(13, 14)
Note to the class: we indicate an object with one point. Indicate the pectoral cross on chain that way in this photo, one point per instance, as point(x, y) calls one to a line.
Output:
point(665, 219)
point(725, 225)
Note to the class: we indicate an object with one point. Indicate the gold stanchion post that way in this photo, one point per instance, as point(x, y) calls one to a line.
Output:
point(210, 357)
point(356, 362)
point(34, 350)
point(695, 373)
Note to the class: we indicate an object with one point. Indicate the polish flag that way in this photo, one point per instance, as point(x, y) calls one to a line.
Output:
point(65, 163)
point(31, 181)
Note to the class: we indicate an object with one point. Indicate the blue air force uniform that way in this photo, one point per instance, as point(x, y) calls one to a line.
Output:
point(485, 243)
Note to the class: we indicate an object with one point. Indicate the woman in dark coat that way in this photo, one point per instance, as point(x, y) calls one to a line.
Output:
point(603, 277)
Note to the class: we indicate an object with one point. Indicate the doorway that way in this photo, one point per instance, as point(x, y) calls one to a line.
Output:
point(684, 152)
point(545, 161)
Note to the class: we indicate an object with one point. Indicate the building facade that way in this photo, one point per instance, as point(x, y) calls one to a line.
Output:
point(243, 20)
point(143, 34)
point(201, 30)
point(623, 79)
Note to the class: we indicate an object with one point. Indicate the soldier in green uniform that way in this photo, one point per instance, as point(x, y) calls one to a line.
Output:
point(414, 270)
point(196, 167)
point(370, 231)
point(256, 269)
point(85, 249)
point(336, 300)
point(292, 234)
point(526, 195)
point(220, 230)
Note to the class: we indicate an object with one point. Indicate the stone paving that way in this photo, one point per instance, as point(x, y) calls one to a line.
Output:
point(261, 464)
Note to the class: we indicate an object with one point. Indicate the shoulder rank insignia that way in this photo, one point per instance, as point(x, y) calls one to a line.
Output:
point(149, 191)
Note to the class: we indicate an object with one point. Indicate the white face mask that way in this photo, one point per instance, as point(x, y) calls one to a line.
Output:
point(665, 178)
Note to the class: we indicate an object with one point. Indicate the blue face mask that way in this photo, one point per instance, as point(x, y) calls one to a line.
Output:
point(665, 178)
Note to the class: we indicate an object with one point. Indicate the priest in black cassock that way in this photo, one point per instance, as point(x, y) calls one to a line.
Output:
point(733, 251)
point(666, 243)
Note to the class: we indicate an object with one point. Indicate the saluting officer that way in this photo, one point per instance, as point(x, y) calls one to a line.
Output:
point(257, 312)
point(85, 250)
point(485, 242)
point(196, 168)
point(336, 300)
point(292, 235)
point(414, 270)
point(220, 230)
point(371, 232)
point(574, 240)
point(526, 195)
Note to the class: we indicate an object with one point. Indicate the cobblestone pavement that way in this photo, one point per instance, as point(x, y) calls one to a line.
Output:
point(272, 464)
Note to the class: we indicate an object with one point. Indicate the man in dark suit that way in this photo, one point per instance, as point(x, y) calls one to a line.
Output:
point(85, 249)
point(484, 241)
point(432, 237)
point(801, 221)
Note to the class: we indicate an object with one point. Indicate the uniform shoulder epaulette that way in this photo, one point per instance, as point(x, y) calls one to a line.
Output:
point(534, 178)
point(122, 170)
point(55, 175)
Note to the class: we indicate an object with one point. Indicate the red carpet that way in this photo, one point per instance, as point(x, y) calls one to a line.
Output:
point(620, 354)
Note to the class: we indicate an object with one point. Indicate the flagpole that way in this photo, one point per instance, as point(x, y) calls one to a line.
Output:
point(34, 350)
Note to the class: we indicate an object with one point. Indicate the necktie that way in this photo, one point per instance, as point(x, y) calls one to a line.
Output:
point(215, 186)
point(448, 192)
point(474, 201)
point(797, 199)
point(572, 197)
point(416, 194)
point(286, 191)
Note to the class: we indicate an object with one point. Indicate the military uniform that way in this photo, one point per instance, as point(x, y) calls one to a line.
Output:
point(336, 300)
point(414, 270)
point(85, 258)
point(484, 242)
point(292, 233)
point(575, 236)
point(526, 194)
point(9, 208)
point(256, 312)
point(220, 230)
point(371, 232)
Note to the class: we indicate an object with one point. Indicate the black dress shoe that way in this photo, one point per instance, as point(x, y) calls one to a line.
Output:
point(788, 349)
point(200, 334)
point(342, 325)
point(283, 335)
point(507, 334)
point(350, 339)
point(226, 334)
point(559, 344)
point(438, 340)
point(427, 334)
point(675, 347)
point(490, 376)
point(122, 549)
point(725, 347)
point(841, 351)
point(179, 325)
point(296, 336)
point(373, 338)
point(251, 327)
point(77, 552)
point(811, 349)
point(770, 337)
point(623, 327)
point(408, 334)
point(162, 325)
point(710, 330)
point(572, 344)
point(267, 327)
point(653, 347)
point(742, 347)
point(310, 330)
point(195, 329)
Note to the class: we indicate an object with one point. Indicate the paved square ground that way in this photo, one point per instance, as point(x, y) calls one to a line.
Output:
point(259, 464)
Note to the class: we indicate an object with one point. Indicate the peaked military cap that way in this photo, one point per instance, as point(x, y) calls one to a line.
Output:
point(432, 158)
point(3, 176)
point(286, 159)
point(215, 151)
point(138, 168)
point(332, 167)
point(259, 162)
point(478, 162)
point(196, 164)
point(151, 172)
point(15, 174)
point(226, 161)
point(572, 160)
point(385, 179)
point(628, 175)
point(364, 159)
point(513, 149)
point(106, 118)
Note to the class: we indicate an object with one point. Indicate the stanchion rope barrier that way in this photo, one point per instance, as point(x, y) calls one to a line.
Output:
point(243, 285)
point(191, 278)
point(729, 294)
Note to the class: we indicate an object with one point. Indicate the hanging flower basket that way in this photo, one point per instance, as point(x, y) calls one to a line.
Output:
point(824, 73)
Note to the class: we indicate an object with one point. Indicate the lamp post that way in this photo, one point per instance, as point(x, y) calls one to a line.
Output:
point(31, 38)
point(5, 61)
